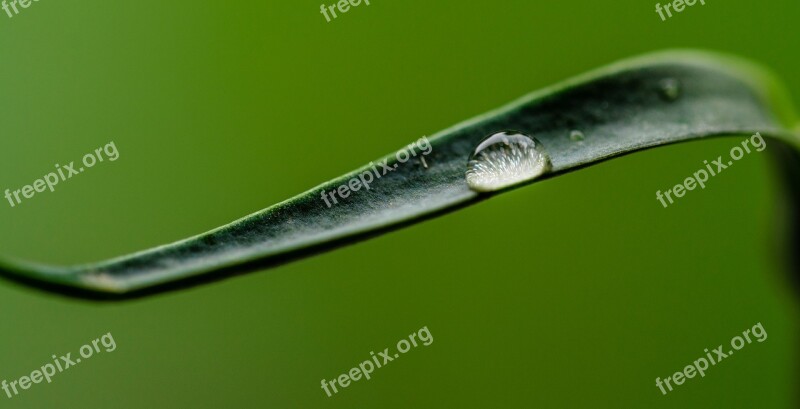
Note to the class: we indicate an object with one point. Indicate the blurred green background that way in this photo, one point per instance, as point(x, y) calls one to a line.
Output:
point(574, 292)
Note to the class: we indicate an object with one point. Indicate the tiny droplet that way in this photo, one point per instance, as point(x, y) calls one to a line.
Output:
point(670, 89)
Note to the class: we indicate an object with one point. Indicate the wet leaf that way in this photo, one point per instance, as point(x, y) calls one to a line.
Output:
point(627, 107)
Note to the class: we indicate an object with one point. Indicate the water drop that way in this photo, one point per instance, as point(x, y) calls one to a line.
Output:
point(670, 89)
point(505, 159)
point(576, 136)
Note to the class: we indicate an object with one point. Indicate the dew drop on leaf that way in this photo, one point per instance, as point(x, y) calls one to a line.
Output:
point(670, 89)
point(505, 159)
point(576, 136)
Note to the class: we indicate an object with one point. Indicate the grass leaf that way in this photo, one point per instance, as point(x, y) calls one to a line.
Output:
point(630, 106)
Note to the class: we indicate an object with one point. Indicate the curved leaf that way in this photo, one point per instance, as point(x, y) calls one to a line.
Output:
point(630, 106)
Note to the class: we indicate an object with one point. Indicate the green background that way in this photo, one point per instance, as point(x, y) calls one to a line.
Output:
point(574, 292)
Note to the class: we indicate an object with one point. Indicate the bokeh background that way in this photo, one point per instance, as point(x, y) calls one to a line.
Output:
point(574, 292)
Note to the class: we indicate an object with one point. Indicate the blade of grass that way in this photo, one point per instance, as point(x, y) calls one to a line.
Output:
point(620, 109)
